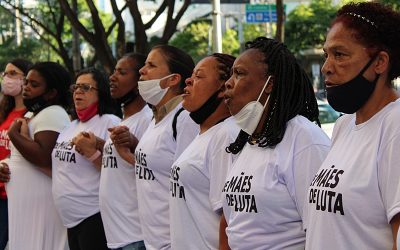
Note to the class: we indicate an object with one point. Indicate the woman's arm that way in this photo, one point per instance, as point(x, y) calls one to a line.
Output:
point(86, 145)
point(125, 143)
point(37, 151)
point(395, 222)
point(223, 238)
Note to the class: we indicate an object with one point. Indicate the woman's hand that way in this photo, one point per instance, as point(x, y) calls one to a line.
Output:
point(85, 143)
point(122, 137)
point(4, 172)
point(124, 142)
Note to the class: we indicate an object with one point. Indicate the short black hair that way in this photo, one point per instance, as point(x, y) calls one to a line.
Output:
point(56, 77)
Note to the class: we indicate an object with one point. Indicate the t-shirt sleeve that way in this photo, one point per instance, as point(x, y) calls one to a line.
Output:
point(389, 176)
point(186, 131)
point(53, 118)
point(305, 165)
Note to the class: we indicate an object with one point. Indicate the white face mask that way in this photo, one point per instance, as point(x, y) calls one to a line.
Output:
point(249, 116)
point(11, 87)
point(151, 90)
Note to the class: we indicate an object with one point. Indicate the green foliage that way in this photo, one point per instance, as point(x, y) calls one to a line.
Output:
point(230, 43)
point(29, 49)
point(395, 4)
point(252, 31)
point(307, 25)
point(194, 39)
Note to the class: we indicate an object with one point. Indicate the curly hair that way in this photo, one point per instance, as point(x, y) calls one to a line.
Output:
point(377, 27)
point(225, 63)
point(292, 94)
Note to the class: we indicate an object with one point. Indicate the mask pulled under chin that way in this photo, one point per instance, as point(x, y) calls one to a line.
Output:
point(128, 98)
point(151, 91)
point(349, 97)
point(249, 116)
point(87, 113)
point(208, 108)
point(35, 104)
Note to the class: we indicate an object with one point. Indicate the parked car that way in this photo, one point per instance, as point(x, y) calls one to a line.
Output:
point(327, 117)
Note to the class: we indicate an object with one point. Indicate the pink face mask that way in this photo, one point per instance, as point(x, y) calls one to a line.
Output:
point(11, 87)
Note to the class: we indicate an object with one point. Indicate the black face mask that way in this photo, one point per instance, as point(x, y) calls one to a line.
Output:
point(35, 104)
point(127, 98)
point(209, 107)
point(349, 97)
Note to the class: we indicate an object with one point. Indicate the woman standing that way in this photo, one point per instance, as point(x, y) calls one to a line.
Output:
point(198, 175)
point(273, 102)
point(162, 82)
point(118, 195)
point(33, 219)
point(76, 164)
point(354, 200)
point(11, 107)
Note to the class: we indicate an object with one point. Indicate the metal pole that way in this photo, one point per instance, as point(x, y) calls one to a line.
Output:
point(217, 29)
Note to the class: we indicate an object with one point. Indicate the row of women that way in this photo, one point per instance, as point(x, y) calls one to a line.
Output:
point(230, 154)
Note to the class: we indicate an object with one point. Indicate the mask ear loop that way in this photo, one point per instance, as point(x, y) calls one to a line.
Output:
point(262, 91)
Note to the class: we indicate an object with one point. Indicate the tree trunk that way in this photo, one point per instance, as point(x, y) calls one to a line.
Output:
point(280, 20)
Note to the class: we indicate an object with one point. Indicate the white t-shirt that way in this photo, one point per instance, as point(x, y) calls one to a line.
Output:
point(118, 195)
point(266, 189)
point(75, 179)
point(356, 192)
point(196, 180)
point(33, 219)
point(155, 153)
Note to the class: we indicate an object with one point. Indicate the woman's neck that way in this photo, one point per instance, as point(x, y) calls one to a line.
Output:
point(19, 103)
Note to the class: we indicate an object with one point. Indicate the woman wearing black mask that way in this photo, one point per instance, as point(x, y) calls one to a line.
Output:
point(198, 175)
point(354, 199)
point(33, 219)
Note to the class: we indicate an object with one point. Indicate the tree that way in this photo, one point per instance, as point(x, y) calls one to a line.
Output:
point(307, 25)
point(194, 39)
point(91, 26)
point(394, 3)
point(47, 22)
point(9, 50)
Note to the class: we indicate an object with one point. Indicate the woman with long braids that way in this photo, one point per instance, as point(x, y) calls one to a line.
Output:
point(197, 176)
point(359, 207)
point(272, 101)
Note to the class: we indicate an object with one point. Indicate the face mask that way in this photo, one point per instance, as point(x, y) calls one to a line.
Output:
point(35, 104)
point(151, 90)
point(249, 116)
point(352, 95)
point(128, 98)
point(11, 87)
point(87, 113)
point(209, 107)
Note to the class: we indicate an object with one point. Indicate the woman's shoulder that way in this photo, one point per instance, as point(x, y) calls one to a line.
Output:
point(109, 117)
point(305, 131)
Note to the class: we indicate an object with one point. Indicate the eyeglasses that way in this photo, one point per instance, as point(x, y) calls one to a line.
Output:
point(82, 86)
point(11, 74)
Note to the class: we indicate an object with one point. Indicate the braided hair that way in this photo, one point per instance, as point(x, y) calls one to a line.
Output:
point(225, 63)
point(292, 94)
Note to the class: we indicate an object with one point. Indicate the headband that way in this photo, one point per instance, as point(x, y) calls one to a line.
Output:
point(362, 17)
